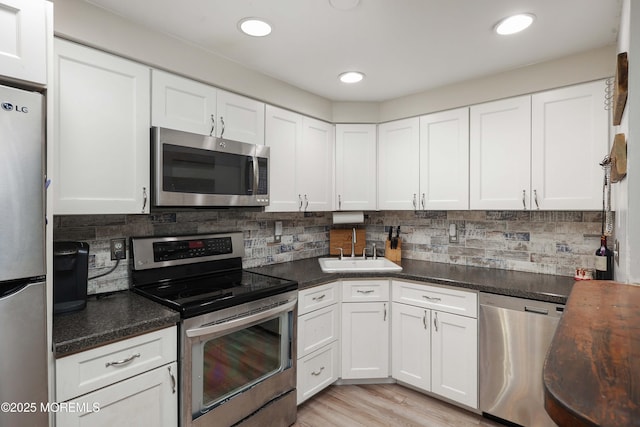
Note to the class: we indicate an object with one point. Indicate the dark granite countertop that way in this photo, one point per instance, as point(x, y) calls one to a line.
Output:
point(541, 287)
point(112, 318)
point(125, 314)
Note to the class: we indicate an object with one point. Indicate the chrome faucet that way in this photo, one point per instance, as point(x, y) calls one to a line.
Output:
point(353, 243)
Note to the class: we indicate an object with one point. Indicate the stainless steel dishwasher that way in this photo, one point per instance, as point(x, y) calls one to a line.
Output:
point(515, 335)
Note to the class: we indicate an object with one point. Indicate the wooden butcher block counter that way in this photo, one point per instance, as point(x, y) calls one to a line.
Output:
point(592, 370)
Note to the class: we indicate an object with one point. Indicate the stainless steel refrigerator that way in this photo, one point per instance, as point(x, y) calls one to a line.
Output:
point(23, 337)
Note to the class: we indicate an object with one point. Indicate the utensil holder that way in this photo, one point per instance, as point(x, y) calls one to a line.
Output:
point(394, 255)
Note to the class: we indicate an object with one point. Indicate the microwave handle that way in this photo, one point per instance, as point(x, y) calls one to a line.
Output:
point(252, 172)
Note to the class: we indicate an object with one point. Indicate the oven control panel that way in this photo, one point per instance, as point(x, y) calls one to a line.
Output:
point(154, 252)
point(184, 249)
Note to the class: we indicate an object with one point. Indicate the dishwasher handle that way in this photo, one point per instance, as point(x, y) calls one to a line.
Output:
point(522, 305)
point(537, 310)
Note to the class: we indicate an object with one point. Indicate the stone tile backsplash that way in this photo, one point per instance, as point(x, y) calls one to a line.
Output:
point(532, 241)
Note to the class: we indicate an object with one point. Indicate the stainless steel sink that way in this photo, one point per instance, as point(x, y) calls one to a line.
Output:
point(357, 265)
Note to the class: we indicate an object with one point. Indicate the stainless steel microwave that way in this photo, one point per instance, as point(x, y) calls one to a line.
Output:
point(191, 170)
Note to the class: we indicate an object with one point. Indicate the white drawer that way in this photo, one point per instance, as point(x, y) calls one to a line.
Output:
point(317, 297)
point(317, 329)
point(365, 290)
point(90, 370)
point(317, 371)
point(436, 297)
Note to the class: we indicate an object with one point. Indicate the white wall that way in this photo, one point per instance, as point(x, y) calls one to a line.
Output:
point(587, 66)
point(629, 194)
point(80, 21)
point(90, 25)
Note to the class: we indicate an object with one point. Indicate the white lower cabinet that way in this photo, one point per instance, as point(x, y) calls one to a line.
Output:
point(128, 382)
point(433, 348)
point(454, 358)
point(419, 334)
point(318, 371)
point(146, 399)
point(365, 329)
point(318, 339)
point(411, 345)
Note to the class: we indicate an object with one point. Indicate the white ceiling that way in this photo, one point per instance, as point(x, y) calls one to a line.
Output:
point(403, 46)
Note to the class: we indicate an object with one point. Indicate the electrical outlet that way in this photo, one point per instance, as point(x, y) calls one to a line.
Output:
point(453, 233)
point(277, 235)
point(118, 249)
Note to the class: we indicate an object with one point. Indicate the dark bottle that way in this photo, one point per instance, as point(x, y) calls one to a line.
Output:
point(604, 261)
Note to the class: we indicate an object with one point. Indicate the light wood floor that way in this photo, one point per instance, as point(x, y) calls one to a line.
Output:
point(382, 405)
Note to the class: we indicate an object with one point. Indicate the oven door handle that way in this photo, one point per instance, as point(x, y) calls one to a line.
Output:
point(240, 322)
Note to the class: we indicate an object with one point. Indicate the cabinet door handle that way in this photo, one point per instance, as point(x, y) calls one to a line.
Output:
point(319, 298)
point(424, 319)
point(213, 125)
point(306, 202)
point(318, 372)
point(524, 199)
point(173, 381)
point(535, 198)
point(222, 122)
point(144, 198)
point(415, 202)
point(435, 321)
point(385, 313)
point(434, 299)
point(423, 201)
point(368, 291)
point(300, 200)
point(123, 361)
point(339, 202)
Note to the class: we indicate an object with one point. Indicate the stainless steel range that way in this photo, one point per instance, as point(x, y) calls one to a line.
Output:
point(237, 333)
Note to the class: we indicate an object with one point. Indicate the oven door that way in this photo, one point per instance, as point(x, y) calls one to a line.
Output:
point(239, 363)
point(196, 170)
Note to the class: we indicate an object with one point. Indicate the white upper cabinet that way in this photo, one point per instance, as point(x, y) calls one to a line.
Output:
point(23, 40)
point(540, 151)
point(240, 118)
point(444, 160)
point(569, 140)
point(356, 173)
point(101, 114)
point(500, 166)
point(315, 165)
point(398, 164)
point(283, 133)
point(184, 104)
point(301, 162)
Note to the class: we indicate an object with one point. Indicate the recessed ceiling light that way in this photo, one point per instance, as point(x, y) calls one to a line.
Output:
point(254, 27)
point(514, 24)
point(351, 77)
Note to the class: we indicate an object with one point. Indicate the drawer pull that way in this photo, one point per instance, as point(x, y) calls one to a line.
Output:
point(368, 291)
point(319, 298)
point(434, 299)
point(123, 361)
point(173, 380)
point(316, 373)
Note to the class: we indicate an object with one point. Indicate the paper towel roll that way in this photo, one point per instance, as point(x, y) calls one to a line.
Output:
point(348, 217)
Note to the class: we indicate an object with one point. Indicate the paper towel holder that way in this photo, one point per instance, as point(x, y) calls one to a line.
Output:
point(351, 217)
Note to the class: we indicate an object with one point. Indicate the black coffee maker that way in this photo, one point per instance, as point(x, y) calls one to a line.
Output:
point(70, 273)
